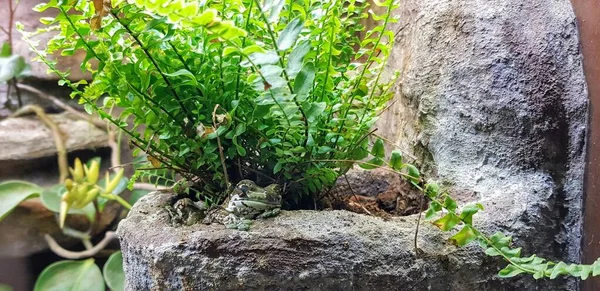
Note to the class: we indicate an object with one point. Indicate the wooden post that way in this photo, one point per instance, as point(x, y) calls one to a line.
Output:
point(588, 19)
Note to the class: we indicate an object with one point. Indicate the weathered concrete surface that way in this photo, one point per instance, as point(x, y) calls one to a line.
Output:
point(492, 96)
point(492, 101)
point(300, 250)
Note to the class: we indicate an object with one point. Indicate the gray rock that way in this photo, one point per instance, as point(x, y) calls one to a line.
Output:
point(27, 138)
point(300, 250)
point(492, 101)
point(492, 96)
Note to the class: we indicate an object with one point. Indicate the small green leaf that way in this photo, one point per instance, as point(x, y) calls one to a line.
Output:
point(14, 192)
point(372, 164)
point(463, 237)
point(510, 252)
point(113, 272)
point(596, 268)
point(430, 213)
point(253, 49)
point(586, 270)
point(492, 252)
point(431, 190)
point(509, 271)
point(447, 222)
point(277, 167)
point(290, 33)
point(413, 172)
point(378, 150)
point(396, 160)
point(71, 275)
point(449, 203)
point(559, 269)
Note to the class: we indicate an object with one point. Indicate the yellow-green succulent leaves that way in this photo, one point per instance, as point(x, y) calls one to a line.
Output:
point(112, 184)
point(77, 171)
point(92, 172)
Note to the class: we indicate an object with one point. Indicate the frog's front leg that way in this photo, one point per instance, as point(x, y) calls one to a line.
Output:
point(269, 213)
point(241, 224)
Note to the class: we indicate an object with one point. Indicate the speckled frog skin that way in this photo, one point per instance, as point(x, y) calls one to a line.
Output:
point(247, 201)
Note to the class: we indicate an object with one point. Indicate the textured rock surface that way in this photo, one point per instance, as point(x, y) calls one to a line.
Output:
point(493, 96)
point(25, 138)
point(299, 250)
point(492, 100)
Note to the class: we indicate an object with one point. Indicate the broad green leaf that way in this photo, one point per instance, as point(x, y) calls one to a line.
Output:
point(304, 82)
point(314, 110)
point(509, 271)
point(447, 222)
point(72, 276)
point(378, 150)
point(290, 33)
point(113, 272)
point(296, 58)
point(11, 67)
point(259, 59)
point(463, 237)
point(5, 51)
point(396, 160)
point(273, 8)
point(14, 192)
point(51, 198)
point(4, 287)
point(187, 74)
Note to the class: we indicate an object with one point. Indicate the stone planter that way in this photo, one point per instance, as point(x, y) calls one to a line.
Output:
point(302, 250)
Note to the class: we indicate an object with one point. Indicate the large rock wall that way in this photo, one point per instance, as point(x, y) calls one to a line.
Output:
point(493, 99)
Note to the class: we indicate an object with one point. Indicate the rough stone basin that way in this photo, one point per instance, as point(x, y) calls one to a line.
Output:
point(302, 250)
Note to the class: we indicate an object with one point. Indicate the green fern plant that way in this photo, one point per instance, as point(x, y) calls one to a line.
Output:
point(220, 91)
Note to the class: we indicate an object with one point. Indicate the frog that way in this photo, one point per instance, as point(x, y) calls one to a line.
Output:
point(246, 203)
point(187, 212)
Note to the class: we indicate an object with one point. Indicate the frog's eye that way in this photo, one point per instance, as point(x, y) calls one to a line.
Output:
point(244, 189)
